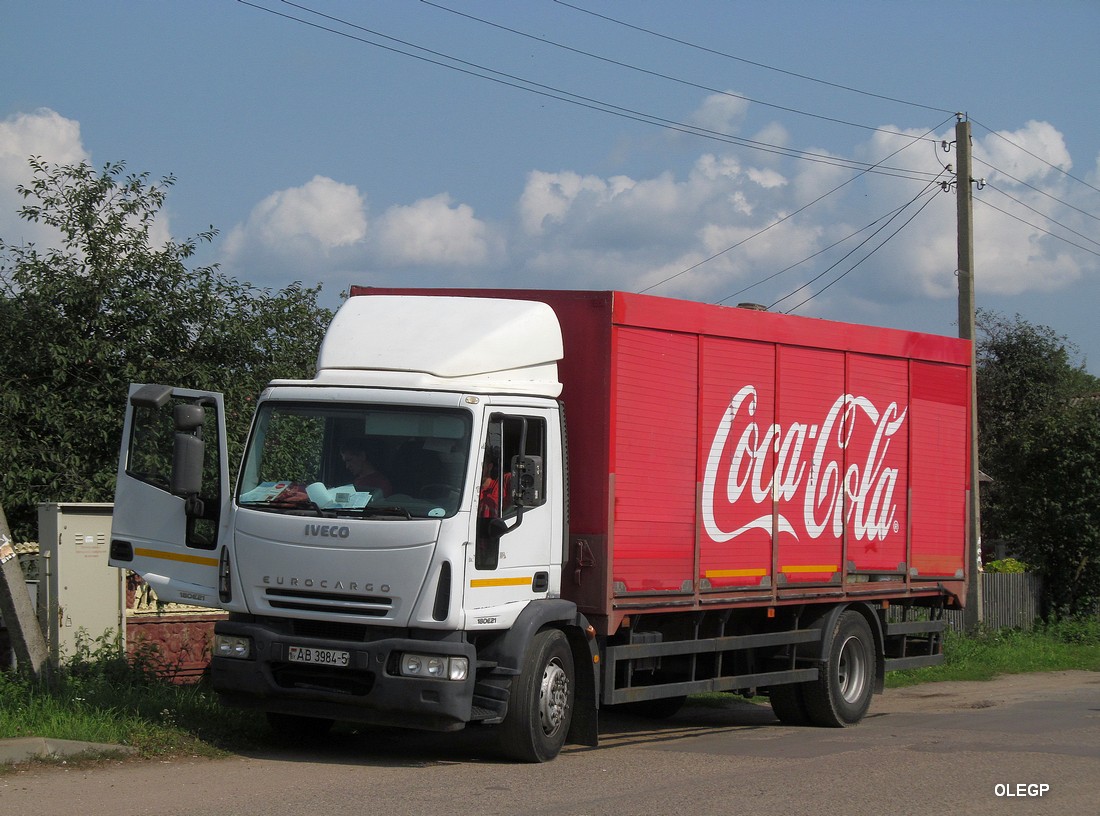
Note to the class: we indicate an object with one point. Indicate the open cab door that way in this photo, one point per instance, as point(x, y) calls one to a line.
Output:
point(172, 494)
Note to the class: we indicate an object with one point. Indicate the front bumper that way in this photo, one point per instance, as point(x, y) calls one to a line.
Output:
point(367, 690)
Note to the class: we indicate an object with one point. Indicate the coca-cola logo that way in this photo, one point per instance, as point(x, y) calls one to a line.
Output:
point(808, 472)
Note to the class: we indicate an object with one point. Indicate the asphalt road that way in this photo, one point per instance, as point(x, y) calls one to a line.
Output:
point(1026, 744)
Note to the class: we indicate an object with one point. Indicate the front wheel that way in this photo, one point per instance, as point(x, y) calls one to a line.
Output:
point(540, 706)
point(842, 694)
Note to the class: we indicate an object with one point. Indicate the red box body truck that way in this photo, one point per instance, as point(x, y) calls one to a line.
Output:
point(631, 499)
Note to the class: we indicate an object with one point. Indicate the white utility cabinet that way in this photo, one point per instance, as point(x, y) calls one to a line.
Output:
point(78, 591)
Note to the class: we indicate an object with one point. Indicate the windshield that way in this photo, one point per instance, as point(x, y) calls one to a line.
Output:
point(365, 460)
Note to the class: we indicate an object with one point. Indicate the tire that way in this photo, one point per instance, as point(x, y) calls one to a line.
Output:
point(842, 694)
point(540, 706)
point(789, 704)
point(298, 727)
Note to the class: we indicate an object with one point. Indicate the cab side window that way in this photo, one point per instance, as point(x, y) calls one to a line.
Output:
point(513, 445)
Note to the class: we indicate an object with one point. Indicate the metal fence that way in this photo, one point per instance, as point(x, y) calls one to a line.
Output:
point(1010, 600)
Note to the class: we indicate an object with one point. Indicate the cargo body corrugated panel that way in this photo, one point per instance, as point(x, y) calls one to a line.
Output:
point(723, 456)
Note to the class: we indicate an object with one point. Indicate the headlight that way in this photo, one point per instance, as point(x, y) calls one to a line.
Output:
point(437, 666)
point(232, 646)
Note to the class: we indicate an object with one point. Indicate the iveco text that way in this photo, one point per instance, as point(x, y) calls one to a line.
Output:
point(327, 530)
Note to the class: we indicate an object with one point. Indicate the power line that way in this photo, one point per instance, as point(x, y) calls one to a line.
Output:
point(1041, 214)
point(559, 94)
point(1066, 173)
point(658, 74)
point(821, 251)
point(889, 238)
point(726, 55)
point(1037, 227)
point(476, 70)
point(1035, 189)
point(830, 268)
point(808, 78)
point(743, 241)
point(793, 214)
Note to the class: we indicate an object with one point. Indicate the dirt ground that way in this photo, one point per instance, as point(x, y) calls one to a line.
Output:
point(1004, 690)
point(1013, 744)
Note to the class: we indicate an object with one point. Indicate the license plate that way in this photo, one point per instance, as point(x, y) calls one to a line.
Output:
point(319, 657)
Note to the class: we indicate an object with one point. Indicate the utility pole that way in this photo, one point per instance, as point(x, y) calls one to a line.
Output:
point(965, 208)
point(15, 605)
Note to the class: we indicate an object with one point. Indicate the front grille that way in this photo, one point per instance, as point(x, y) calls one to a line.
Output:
point(301, 601)
point(332, 630)
point(353, 682)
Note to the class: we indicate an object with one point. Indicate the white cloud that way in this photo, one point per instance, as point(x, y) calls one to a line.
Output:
point(320, 216)
point(45, 134)
point(1012, 259)
point(1025, 154)
point(720, 113)
point(711, 168)
point(312, 233)
point(708, 234)
point(548, 197)
point(433, 231)
point(703, 232)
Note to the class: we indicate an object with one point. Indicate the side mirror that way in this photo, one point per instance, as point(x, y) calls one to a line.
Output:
point(527, 481)
point(187, 450)
point(151, 396)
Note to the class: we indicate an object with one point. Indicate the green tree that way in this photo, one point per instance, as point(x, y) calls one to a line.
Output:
point(106, 308)
point(1055, 513)
point(1039, 440)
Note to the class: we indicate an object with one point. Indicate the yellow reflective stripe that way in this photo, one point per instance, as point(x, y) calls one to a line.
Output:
point(478, 583)
point(201, 560)
point(810, 568)
point(736, 573)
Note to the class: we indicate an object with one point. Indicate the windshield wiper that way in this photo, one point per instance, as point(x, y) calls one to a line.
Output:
point(386, 510)
point(310, 509)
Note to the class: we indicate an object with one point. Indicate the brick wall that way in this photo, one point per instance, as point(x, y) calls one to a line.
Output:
point(182, 641)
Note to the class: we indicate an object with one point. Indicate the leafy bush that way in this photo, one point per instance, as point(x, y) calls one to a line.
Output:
point(1006, 565)
point(1075, 631)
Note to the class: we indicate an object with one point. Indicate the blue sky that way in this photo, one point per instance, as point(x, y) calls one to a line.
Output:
point(650, 146)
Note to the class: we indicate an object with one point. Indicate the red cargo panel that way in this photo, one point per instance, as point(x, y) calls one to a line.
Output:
point(877, 464)
point(811, 418)
point(653, 461)
point(940, 470)
point(737, 463)
point(817, 464)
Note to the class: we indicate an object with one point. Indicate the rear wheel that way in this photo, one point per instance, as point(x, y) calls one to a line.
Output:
point(540, 706)
point(789, 704)
point(842, 694)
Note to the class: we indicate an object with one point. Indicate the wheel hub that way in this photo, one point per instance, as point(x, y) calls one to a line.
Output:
point(852, 670)
point(553, 697)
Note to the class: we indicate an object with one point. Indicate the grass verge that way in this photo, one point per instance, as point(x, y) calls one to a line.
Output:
point(1059, 646)
point(101, 696)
